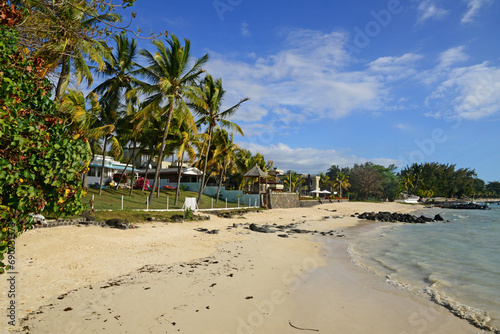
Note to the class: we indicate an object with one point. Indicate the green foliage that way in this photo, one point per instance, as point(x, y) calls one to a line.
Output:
point(40, 162)
point(441, 180)
point(493, 188)
point(188, 213)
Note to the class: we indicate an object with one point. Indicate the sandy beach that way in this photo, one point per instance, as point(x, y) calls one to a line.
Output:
point(170, 278)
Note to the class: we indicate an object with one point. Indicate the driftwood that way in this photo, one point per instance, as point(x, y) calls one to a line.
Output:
point(303, 329)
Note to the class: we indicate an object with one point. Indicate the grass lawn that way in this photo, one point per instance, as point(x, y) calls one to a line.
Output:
point(111, 199)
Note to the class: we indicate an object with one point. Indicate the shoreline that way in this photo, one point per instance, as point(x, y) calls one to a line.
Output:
point(237, 281)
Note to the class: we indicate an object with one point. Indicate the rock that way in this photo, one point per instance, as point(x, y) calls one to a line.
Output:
point(117, 223)
point(88, 217)
point(438, 218)
point(177, 218)
point(395, 217)
point(263, 229)
point(283, 235)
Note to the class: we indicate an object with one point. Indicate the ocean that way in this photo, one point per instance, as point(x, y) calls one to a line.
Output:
point(456, 263)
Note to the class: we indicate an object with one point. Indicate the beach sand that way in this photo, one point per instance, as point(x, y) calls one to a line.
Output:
point(170, 278)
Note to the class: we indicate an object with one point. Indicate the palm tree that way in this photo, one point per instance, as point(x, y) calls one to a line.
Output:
point(293, 180)
point(324, 180)
point(171, 74)
point(342, 182)
point(185, 141)
point(120, 74)
point(68, 46)
point(83, 121)
point(224, 155)
point(212, 95)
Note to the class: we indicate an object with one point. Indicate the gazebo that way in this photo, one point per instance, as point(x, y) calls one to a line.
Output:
point(256, 172)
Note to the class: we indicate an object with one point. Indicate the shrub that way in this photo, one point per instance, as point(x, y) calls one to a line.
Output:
point(40, 162)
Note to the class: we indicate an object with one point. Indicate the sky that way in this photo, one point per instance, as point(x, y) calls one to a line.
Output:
point(345, 82)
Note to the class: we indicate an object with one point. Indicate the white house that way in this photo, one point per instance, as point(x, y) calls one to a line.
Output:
point(110, 168)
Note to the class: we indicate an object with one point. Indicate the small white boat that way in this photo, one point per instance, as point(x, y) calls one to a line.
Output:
point(412, 199)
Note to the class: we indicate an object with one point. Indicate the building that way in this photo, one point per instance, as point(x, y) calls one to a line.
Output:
point(111, 167)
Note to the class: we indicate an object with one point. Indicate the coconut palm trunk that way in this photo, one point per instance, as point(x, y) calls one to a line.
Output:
point(220, 182)
point(179, 176)
point(146, 174)
point(202, 185)
point(102, 167)
point(160, 155)
point(133, 170)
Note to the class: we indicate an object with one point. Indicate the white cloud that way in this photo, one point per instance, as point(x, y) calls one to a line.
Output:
point(306, 76)
point(404, 127)
point(394, 68)
point(452, 57)
point(244, 30)
point(472, 92)
point(309, 160)
point(446, 60)
point(473, 9)
point(428, 9)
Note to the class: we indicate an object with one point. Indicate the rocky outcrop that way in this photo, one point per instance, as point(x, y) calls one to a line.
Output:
point(395, 217)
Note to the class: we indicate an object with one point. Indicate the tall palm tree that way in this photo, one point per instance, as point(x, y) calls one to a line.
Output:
point(69, 45)
point(324, 180)
point(212, 95)
point(293, 180)
point(83, 121)
point(116, 93)
point(224, 155)
point(171, 74)
point(342, 181)
point(119, 73)
point(184, 140)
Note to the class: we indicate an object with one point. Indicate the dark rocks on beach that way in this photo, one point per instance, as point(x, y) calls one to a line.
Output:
point(283, 235)
point(261, 229)
point(177, 218)
point(117, 223)
point(395, 217)
point(207, 231)
point(88, 216)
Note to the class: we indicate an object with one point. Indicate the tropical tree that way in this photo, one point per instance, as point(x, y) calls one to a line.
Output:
point(292, 180)
point(324, 180)
point(68, 45)
point(171, 74)
point(120, 74)
point(224, 155)
point(366, 181)
point(108, 117)
point(185, 139)
point(211, 94)
point(342, 182)
point(85, 122)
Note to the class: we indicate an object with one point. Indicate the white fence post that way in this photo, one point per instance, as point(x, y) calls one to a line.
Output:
point(238, 202)
point(122, 202)
point(147, 203)
point(226, 203)
point(212, 203)
point(167, 201)
point(93, 202)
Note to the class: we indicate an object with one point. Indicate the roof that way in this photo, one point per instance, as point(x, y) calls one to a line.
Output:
point(112, 166)
point(255, 172)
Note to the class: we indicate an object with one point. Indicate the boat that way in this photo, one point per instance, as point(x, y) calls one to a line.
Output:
point(412, 200)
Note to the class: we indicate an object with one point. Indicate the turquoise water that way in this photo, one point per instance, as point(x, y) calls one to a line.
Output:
point(457, 261)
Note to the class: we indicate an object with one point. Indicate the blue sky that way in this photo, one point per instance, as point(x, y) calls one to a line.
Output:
point(344, 82)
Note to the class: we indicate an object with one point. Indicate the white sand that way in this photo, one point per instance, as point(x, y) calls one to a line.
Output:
point(237, 281)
